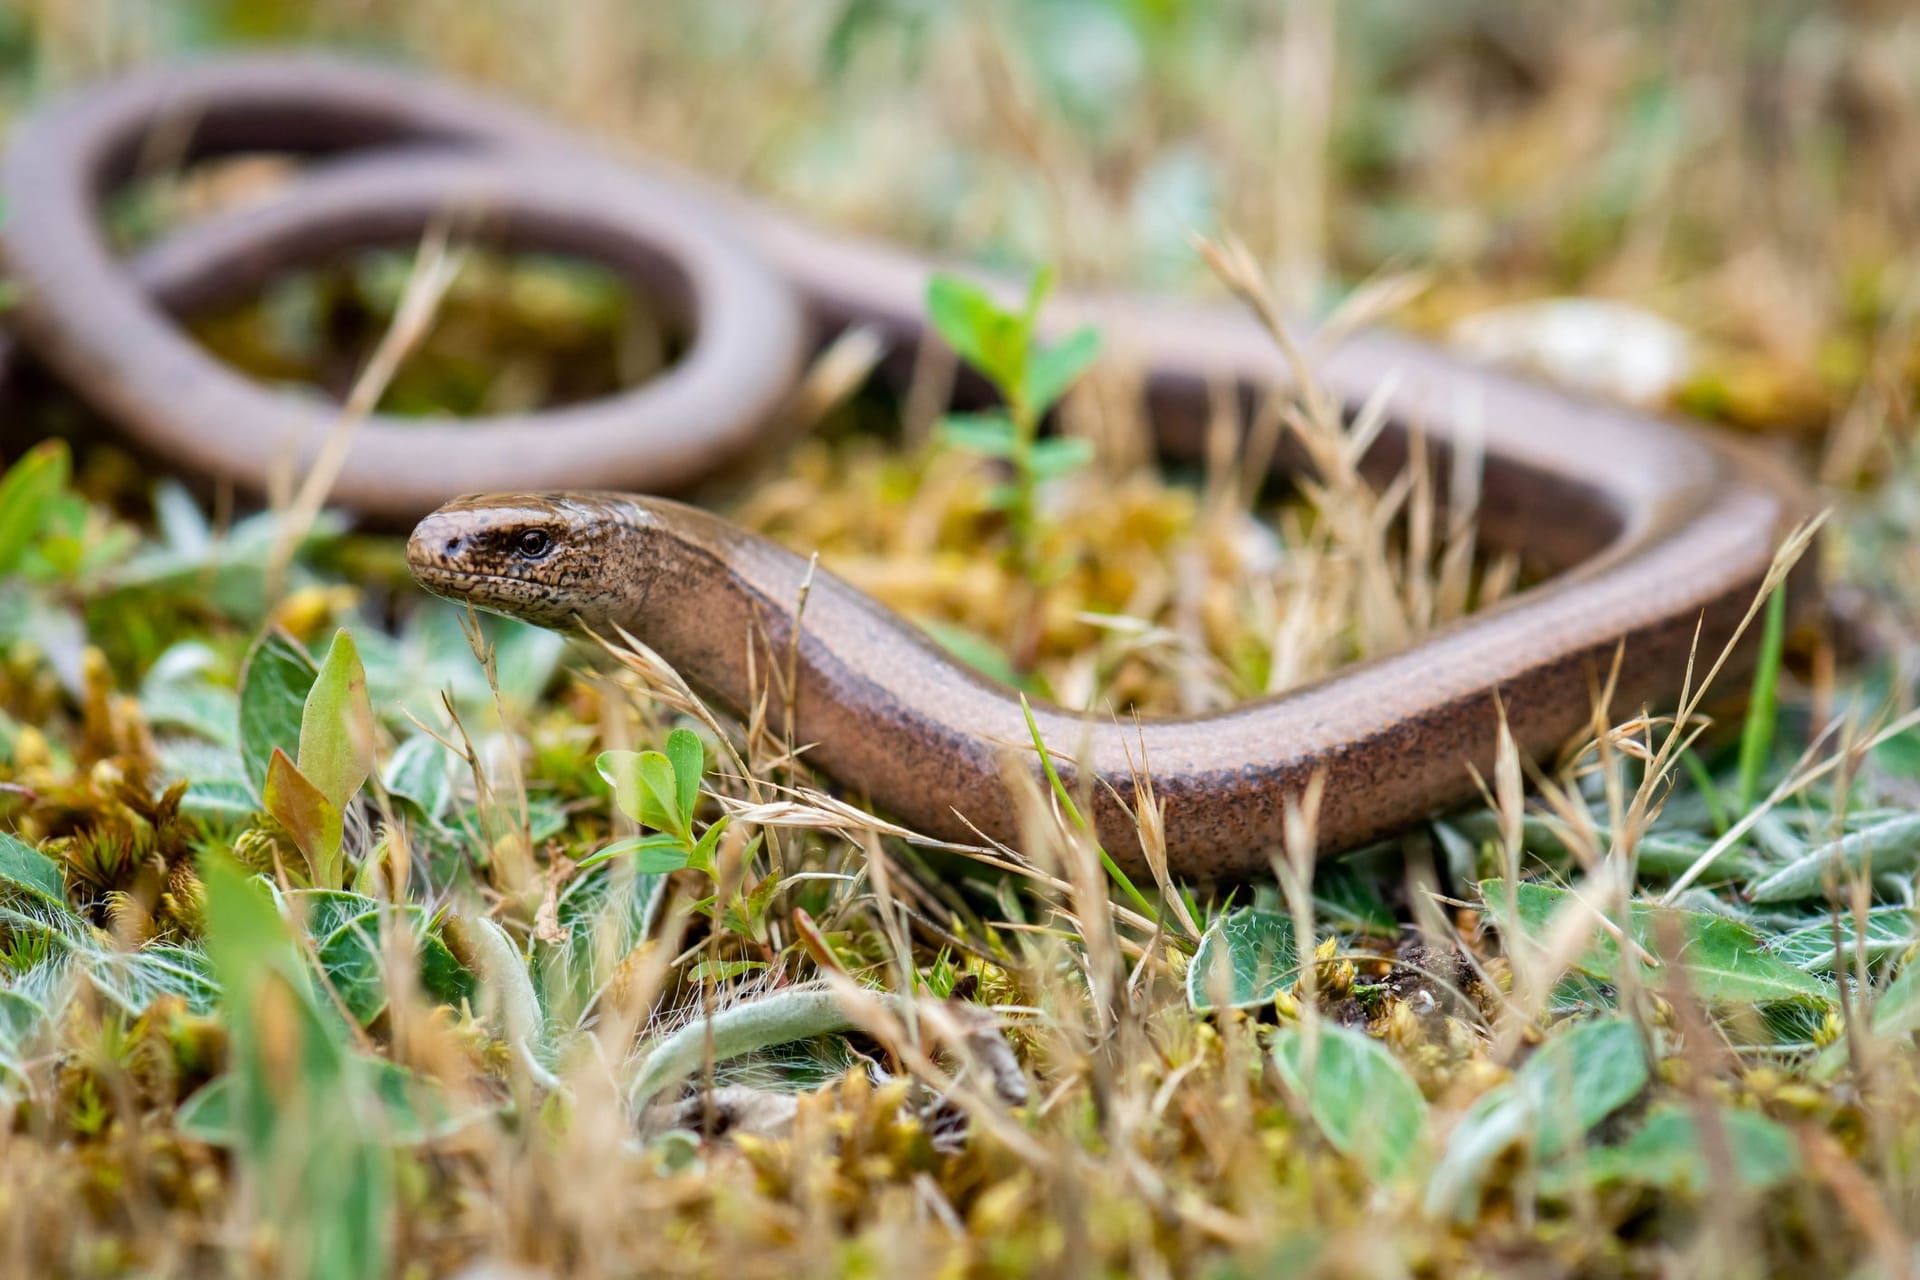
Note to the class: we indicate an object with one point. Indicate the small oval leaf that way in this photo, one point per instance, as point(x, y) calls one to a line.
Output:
point(1245, 959)
point(1364, 1101)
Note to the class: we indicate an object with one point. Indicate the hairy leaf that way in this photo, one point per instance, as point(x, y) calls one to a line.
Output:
point(1358, 1093)
point(1889, 931)
point(1668, 1152)
point(604, 913)
point(135, 979)
point(23, 865)
point(1577, 1079)
point(1726, 962)
point(1245, 959)
point(310, 1135)
point(420, 772)
point(350, 954)
point(416, 1110)
point(1886, 847)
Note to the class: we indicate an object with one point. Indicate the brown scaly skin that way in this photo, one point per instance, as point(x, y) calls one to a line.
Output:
point(1654, 530)
point(886, 711)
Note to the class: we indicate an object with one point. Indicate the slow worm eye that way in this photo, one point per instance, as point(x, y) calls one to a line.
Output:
point(533, 543)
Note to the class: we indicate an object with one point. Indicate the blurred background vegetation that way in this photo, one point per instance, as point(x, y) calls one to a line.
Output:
point(1749, 170)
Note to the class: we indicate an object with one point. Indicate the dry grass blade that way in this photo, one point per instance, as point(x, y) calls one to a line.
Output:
point(433, 271)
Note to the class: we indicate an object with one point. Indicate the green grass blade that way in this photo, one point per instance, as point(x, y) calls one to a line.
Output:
point(1079, 820)
point(1756, 737)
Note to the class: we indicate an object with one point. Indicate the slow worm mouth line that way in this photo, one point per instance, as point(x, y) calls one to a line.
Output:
point(423, 573)
point(891, 717)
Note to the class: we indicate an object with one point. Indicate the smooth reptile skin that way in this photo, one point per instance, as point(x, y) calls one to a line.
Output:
point(1655, 532)
point(929, 740)
point(110, 333)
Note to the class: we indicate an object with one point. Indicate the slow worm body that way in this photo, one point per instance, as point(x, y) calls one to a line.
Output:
point(1656, 534)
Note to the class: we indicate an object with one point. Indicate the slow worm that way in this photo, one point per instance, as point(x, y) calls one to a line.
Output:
point(1655, 534)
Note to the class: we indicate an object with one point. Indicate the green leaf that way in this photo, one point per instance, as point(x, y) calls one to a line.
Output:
point(1359, 1095)
point(1668, 1152)
point(1891, 847)
point(1897, 1011)
point(524, 659)
point(1053, 371)
point(27, 494)
point(176, 694)
point(644, 788)
point(20, 1017)
point(196, 707)
point(22, 864)
point(1245, 959)
point(257, 964)
point(1888, 931)
point(1349, 898)
point(1900, 754)
point(273, 697)
point(420, 773)
point(1058, 455)
point(310, 1135)
point(307, 815)
point(178, 520)
point(701, 857)
point(990, 339)
point(350, 954)
point(656, 853)
point(246, 938)
point(605, 912)
point(1579, 1078)
point(1756, 735)
point(689, 760)
point(219, 800)
point(1896, 1016)
point(321, 911)
point(336, 725)
point(989, 433)
point(1037, 290)
point(1003, 497)
point(17, 1013)
point(1573, 1082)
point(1726, 962)
point(417, 1110)
point(1656, 853)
